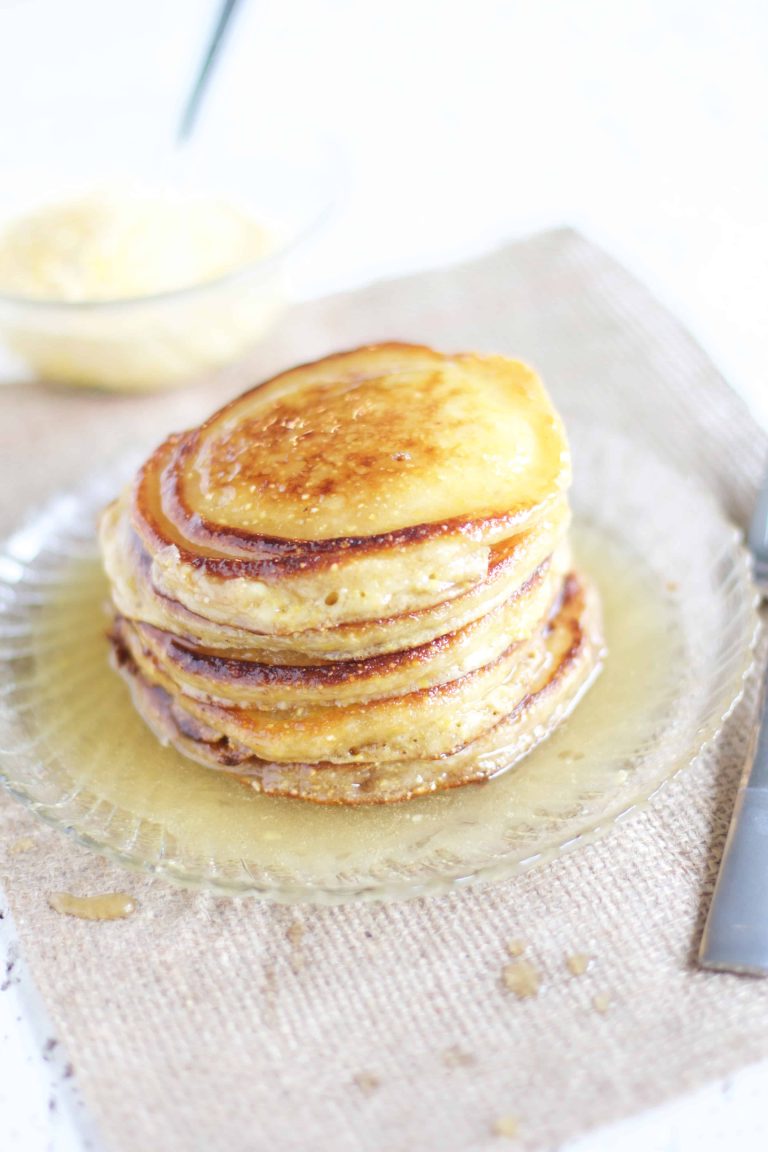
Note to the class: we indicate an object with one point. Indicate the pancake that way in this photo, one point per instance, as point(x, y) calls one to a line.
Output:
point(513, 565)
point(427, 723)
point(574, 649)
point(353, 583)
point(368, 484)
point(219, 676)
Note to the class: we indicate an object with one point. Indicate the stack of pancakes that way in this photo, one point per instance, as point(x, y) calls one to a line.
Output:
point(353, 584)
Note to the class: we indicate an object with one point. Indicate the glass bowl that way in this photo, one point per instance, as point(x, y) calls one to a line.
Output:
point(169, 338)
point(680, 620)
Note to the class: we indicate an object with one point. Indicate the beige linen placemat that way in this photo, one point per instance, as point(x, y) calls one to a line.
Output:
point(208, 1025)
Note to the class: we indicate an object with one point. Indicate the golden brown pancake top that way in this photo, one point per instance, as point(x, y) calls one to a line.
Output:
point(372, 442)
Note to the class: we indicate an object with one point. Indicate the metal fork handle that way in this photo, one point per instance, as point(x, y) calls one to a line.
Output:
point(736, 934)
point(196, 95)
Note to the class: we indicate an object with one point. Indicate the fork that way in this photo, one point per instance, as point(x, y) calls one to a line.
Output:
point(736, 933)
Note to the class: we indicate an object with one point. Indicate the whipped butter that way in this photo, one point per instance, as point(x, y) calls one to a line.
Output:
point(118, 247)
point(137, 291)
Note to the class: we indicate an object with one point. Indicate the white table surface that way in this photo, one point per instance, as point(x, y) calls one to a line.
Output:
point(464, 124)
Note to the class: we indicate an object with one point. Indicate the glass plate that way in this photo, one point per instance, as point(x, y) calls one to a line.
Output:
point(680, 621)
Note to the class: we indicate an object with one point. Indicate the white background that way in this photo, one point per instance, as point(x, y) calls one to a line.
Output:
point(463, 124)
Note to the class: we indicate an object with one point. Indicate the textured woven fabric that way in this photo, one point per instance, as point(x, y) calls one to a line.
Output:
point(208, 1025)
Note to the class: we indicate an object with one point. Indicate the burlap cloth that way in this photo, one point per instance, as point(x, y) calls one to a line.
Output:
point(210, 1024)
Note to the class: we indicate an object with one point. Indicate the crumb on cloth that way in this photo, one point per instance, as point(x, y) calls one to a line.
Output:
point(522, 978)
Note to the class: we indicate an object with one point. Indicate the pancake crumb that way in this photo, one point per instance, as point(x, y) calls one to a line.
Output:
point(367, 1082)
point(578, 963)
point(515, 947)
point(522, 978)
point(269, 990)
point(295, 935)
point(457, 1057)
point(506, 1126)
point(601, 1003)
point(25, 844)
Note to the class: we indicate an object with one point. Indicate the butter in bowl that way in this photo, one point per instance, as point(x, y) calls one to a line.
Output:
point(143, 283)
